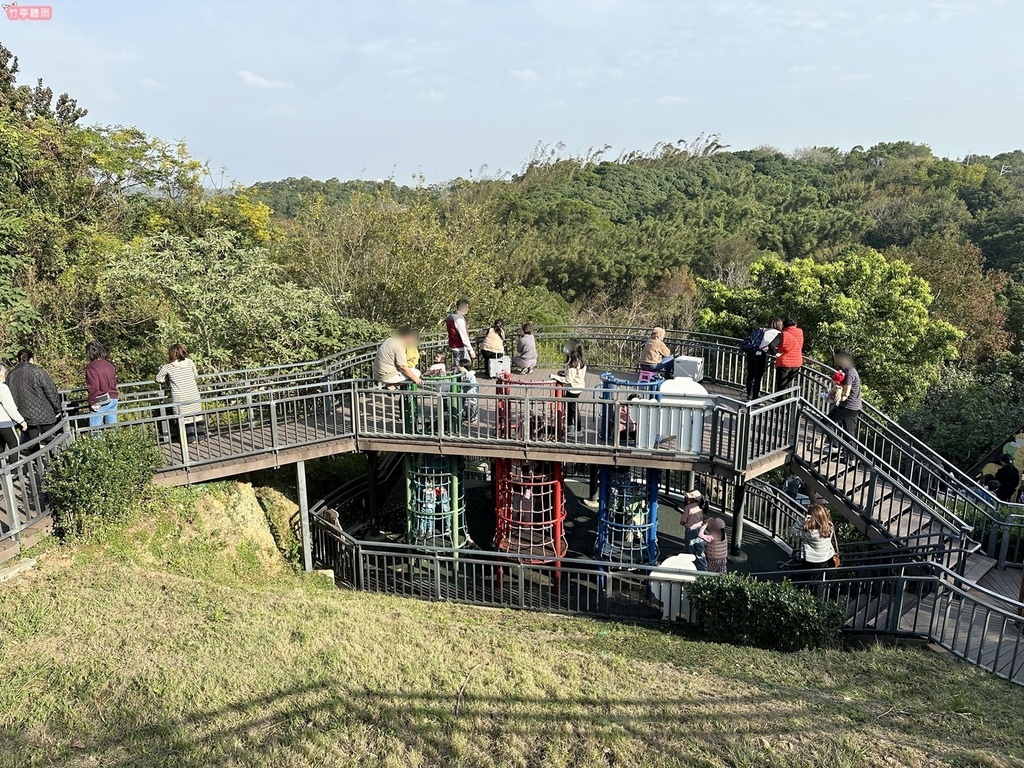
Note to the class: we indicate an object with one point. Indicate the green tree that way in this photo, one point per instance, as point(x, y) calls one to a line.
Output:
point(227, 302)
point(875, 307)
point(966, 294)
point(968, 413)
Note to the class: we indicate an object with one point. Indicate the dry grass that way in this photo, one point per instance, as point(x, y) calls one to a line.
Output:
point(156, 650)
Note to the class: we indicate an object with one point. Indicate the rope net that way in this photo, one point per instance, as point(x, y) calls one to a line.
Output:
point(530, 508)
point(435, 501)
point(627, 522)
point(542, 419)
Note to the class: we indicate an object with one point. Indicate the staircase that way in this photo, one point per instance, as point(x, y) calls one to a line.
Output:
point(892, 488)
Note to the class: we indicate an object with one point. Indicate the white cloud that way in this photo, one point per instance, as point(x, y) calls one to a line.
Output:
point(256, 81)
point(284, 110)
point(432, 95)
point(671, 101)
point(153, 85)
point(524, 75)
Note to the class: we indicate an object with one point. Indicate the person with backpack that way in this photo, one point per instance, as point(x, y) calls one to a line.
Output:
point(761, 344)
point(791, 354)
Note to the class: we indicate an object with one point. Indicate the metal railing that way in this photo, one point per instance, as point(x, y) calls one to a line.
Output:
point(904, 598)
point(25, 511)
point(740, 436)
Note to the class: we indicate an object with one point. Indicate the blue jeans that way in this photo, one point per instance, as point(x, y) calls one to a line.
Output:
point(107, 414)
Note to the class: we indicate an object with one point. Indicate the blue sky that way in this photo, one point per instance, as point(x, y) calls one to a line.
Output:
point(442, 88)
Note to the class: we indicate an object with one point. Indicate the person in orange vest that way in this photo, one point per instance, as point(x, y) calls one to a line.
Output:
point(791, 354)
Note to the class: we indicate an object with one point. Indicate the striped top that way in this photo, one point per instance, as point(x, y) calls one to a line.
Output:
point(184, 386)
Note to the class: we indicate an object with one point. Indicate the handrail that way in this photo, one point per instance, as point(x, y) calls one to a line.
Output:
point(908, 459)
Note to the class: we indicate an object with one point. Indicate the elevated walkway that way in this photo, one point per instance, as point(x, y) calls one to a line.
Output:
point(889, 483)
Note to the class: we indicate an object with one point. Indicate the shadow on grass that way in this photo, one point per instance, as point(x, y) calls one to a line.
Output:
point(329, 722)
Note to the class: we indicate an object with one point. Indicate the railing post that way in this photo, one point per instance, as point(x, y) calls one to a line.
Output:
point(437, 577)
point(1004, 544)
point(869, 506)
point(993, 534)
point(742, 439)
point(896, 605)
point(372, 468)
point(521, 585)
point(307, 544)
point(736, 553)
point(11, 502)
point(186, 460)
point(273, 424)
point(528, 420)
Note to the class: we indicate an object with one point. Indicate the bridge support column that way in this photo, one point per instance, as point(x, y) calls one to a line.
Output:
point(307, 541)
point(372, 495)
point(736, 553)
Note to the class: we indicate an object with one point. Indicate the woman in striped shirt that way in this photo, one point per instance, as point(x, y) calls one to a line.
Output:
point(181, 372)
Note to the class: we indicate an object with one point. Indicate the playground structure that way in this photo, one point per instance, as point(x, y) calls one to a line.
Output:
point(965, 549)
point(627, 531)
point(435, 501)
point(530, 509)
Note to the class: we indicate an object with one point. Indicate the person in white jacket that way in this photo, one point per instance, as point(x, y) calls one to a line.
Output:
point(573, 376)
point(10, 416)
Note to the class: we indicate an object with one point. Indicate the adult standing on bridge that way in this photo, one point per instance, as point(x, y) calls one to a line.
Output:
point(846, 397)
point(791, 354)
point(759, 346)
point(100, 385)
point(390, 366)
point(35, 393)
point(458, 336)
point(10, 416)
point(493, 345)
point(180, 371)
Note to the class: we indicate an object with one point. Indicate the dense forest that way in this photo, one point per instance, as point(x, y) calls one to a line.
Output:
point(913, 261)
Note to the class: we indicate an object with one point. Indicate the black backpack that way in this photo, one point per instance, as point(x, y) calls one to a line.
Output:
point(753, 342)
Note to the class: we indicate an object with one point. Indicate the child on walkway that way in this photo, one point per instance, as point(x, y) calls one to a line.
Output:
point(692, 520)
point(713, 534)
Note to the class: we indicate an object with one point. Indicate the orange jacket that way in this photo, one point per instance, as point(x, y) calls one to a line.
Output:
point(791, 348)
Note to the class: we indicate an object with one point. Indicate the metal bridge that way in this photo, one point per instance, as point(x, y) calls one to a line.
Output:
point(888, 483)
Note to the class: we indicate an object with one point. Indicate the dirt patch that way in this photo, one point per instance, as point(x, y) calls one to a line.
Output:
point(233, 516)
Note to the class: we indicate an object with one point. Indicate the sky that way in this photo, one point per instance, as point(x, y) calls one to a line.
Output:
point(444, 88)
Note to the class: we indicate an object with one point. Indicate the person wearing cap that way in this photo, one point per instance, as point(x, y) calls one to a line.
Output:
point(845, 396)
point(717, 545)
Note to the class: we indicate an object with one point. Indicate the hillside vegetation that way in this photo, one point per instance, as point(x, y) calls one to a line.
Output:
point(187, 641)
point(911, 260)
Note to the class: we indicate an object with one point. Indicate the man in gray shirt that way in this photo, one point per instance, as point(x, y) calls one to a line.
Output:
point(391, 366)
point(847, 399)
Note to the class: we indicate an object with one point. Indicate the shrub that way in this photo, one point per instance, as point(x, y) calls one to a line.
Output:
point(764, 614)
point(99, 480)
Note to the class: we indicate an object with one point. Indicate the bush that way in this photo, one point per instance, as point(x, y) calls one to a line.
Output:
point(99, 480)
point(764, 614)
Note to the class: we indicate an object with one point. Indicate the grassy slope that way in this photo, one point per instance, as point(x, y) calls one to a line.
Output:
point(168, 650)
